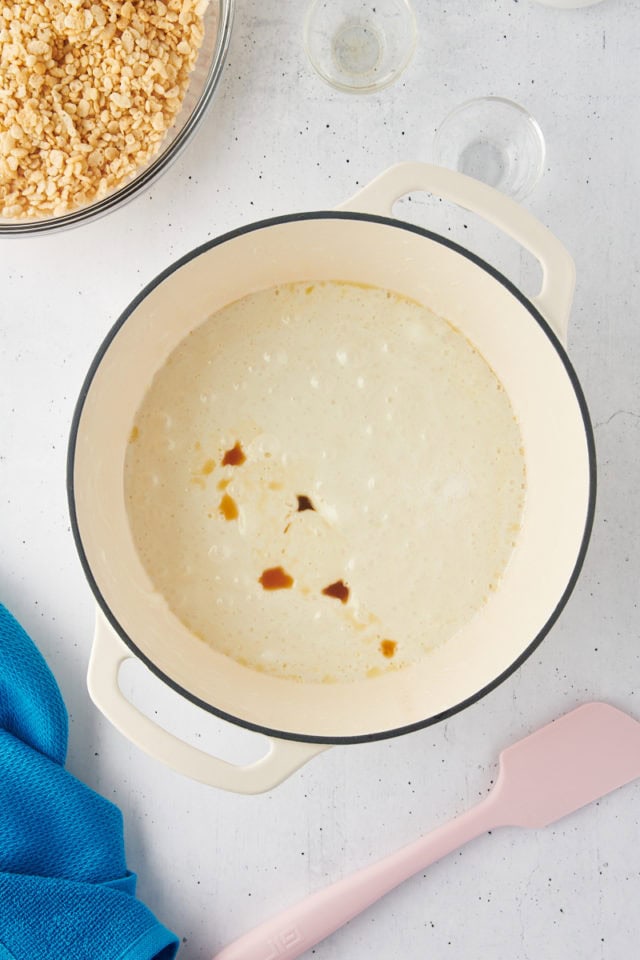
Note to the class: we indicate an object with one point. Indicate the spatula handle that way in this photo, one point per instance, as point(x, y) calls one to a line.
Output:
point(302, 926)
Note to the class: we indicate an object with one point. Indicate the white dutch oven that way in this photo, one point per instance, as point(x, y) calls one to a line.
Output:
point(522, 340)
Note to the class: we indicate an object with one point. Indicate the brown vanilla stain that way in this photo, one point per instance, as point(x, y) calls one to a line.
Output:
point(198, 478)
point(338, 590)
point(234, 457)
point(388, 648)
point(275, 578)
point(228, 508)
point(133, 436)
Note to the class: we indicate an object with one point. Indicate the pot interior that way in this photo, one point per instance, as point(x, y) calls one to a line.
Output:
point(546, 401)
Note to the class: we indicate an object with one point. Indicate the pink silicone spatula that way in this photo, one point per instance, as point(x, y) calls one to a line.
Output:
point(563, 766)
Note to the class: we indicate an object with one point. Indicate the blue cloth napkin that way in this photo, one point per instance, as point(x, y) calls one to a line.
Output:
point(65, 891)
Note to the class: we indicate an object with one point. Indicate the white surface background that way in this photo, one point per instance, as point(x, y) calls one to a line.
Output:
point(277, 139)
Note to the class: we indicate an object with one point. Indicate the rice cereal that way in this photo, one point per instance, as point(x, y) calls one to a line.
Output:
point(88, 89)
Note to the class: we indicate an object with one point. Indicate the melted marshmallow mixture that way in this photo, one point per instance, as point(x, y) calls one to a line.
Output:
point(325, 481)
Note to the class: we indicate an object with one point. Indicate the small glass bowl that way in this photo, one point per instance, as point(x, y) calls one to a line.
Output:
point(494, 140)
point(359, 46)
point(218, 19)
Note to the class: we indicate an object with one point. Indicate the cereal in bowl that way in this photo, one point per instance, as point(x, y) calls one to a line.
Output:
point(88, 89)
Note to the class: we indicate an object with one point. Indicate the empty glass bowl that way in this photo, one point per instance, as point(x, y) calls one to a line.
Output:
point(204, 79)
point(494, 140)
point(360, 46)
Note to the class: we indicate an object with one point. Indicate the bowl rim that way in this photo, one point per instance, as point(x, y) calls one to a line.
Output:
point(590, 449)
point(161, 162)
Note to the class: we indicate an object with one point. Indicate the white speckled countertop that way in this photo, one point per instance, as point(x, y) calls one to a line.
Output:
point(276, 140)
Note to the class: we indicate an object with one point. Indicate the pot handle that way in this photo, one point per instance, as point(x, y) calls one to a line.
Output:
point(283, 758)
point(558, 268)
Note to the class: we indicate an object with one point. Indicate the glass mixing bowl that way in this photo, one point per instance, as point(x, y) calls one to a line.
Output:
point(204, 79)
